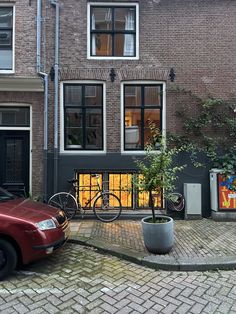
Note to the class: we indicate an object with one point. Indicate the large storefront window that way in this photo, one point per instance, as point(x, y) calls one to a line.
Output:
point(119, 184)
point(142, 103)
point(83, 116)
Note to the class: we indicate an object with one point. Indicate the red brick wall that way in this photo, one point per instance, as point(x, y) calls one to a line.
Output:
point(195, 37)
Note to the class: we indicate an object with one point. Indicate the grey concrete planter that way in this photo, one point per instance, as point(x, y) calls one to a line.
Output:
point(158, 237)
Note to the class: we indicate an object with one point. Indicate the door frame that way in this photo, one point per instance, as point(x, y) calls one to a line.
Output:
point(29, 128)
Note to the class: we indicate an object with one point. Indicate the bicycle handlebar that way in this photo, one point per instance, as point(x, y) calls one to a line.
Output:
point(77, 181)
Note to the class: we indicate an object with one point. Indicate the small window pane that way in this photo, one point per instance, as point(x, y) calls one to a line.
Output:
point(13, 116)
point(124, 45)
point(6, 59)
point(132, 129)
point(132, 96)
point(74, 138)
point(101, 18)
point(124, 19)
point(73, 95)
point(152, 96)
point(151, 115)
point(101, 45)
point(73, 118)
point(93, 129)
point(5, 38)
point(6, 17)
point(93, 95)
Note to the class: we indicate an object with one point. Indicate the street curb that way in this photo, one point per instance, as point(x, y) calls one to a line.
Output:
point(159, 262)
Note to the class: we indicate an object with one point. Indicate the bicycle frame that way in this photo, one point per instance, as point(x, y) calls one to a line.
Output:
point(77, 190)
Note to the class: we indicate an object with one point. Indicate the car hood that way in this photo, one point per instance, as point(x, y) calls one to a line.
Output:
point(27, 210)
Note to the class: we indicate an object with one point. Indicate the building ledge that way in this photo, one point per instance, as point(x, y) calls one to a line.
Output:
point(21, 84)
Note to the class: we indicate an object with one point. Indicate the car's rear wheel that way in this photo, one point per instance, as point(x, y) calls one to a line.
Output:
point(8, 258)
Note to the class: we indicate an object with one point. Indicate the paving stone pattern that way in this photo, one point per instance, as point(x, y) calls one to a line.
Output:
point(201, 238)
point(79, 280)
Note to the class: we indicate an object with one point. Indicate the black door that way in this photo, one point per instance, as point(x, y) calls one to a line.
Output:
point(14, 160)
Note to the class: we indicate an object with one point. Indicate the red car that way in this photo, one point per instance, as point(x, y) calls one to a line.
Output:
point(28, 231)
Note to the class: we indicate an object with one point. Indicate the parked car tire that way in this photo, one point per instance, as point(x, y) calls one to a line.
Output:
point(8, 258)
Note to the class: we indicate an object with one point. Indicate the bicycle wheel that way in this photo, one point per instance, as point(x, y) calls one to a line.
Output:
point(107, 207)
point(66, 202)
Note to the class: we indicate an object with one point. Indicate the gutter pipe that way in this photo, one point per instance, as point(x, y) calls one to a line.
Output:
point(56, 92)
point(44, 76)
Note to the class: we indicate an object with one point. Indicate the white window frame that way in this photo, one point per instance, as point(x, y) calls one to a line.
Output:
point(13, 39)
point(140, 152)
point(62, 142)
point(112, 4)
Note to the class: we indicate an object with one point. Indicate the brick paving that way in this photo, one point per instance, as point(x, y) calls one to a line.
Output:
point(193, 238)
point(80, 280)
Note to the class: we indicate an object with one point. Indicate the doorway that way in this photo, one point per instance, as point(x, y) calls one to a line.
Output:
point(14, 161)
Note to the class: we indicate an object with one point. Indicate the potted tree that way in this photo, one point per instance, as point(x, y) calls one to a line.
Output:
point(157, 174)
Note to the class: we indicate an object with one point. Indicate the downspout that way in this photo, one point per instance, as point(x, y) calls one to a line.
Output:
point(44, 76)
point(56, 82)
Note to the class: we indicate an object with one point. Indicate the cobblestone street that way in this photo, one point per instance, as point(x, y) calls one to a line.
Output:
point(80, 280)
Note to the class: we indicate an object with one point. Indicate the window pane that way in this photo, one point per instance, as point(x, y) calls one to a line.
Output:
point(101, 18)
point(93, 95)
point(93, 129)
point(132, 96)
point(73, 95)
point(73, 129)
point(151, 115)
point(6, 17)
point(73, 117)
point(152, 96)
point(74, 138)
point(5, 38)
point(124, 19)
point(132, 129)
point(101, 45)
point(124, 45)
point(6, 59)
point(14, 116)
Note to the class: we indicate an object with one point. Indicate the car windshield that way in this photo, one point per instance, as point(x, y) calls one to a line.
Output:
point(5, 195)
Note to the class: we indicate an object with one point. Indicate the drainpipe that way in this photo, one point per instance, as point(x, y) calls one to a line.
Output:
point(44, 76)
point(56, 82)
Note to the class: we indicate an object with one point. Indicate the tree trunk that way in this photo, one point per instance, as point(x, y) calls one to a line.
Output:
point(152, 206)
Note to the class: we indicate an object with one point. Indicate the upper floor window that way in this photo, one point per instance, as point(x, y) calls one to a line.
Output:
point(113, 31)
point(142, 103)
point(6, 39)
point(83, 116)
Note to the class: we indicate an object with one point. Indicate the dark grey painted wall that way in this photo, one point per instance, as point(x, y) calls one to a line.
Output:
point(115, 161)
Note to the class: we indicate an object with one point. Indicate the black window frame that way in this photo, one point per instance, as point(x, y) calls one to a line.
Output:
point(83, 108)
point(142, 107)
point(114, 32)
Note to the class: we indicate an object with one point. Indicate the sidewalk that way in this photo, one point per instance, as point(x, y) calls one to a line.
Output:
point(199, 244)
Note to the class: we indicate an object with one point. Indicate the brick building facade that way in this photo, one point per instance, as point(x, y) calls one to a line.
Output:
point(119, 63)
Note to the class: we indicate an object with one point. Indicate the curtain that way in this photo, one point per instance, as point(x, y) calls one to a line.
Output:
point(93, 37)
point(129, 39)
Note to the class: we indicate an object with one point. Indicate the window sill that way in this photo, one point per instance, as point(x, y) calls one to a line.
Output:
point(112, 58)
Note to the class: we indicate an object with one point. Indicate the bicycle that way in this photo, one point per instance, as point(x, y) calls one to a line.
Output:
point(106, 206)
